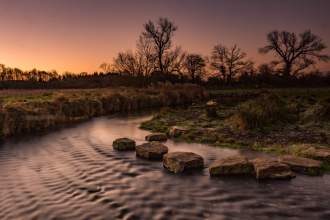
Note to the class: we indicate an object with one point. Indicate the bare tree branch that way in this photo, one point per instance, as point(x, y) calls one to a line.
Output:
point(228, 62)
point(161, 37)
point(295, 55)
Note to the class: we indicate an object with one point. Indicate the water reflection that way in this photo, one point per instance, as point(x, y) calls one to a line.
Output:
point(73, 172)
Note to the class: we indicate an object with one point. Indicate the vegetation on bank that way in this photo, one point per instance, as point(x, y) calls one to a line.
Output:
point(29, 110)
point(280, 122)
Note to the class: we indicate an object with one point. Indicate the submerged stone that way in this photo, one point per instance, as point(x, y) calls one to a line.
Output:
point(301, 164)
point(273, 169)
point(179, 161)
point(156, 137)
point(176, 131)
point(124, 144)
point(152, 150)
point(231, 165)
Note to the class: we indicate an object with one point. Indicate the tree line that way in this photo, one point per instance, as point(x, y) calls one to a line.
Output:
point(157, 59)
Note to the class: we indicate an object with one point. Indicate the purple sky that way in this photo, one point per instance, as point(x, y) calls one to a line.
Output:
point(78, 35)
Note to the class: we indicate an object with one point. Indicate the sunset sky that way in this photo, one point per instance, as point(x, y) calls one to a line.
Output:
point(78, 35)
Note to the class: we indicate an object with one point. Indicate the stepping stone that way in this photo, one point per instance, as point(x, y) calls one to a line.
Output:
point(300, 164)
point(322, 155)
point(152, 150)
point(156, 137)
point(176, 131)
point(179, 161)
point(231, 165)
point(124, 144)
point(270, 169)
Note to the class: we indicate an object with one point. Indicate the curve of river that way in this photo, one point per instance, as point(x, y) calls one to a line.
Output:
point(73, 172)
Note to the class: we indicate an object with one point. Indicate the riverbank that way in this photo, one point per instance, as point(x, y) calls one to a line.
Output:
point(23, 111)
point(279, 122)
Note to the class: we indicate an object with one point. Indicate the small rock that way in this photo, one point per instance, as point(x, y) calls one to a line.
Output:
point(231, 165)
point(271, 169)
point(176, 131)
point(179, 161)
point(124, 144)
point(206, 215)
point(300, 164)
point(322, 155)
point(152, 150)
point(156, 137)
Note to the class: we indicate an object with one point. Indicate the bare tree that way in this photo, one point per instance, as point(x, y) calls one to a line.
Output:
point(161, 36)
point(2, 72)
point(228, 62)
point(105, 67)
point(265, 69)
point(127, 63)
point(294, 54)
point(174, 61)
point(195, 65)
point(146, 55)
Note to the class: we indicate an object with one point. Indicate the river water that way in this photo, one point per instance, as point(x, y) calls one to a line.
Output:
point(73, 172)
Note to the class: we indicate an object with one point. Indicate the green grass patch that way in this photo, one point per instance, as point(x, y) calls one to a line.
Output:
point(276, 121)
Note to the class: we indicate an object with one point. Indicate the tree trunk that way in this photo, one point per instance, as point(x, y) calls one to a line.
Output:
point(160, 63)
point(287, 69)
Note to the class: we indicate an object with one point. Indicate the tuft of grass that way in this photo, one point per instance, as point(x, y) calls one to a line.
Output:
point(263, 111)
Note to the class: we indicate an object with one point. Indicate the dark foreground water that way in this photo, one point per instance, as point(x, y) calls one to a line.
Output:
point(74, 173)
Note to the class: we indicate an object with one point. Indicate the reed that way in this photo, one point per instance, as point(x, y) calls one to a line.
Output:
point(29, 110)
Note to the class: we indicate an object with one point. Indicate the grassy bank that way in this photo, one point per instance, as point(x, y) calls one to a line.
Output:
point(280, 122)
point(30, 110)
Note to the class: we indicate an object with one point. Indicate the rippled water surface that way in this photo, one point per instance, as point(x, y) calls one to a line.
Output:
point(74, 173)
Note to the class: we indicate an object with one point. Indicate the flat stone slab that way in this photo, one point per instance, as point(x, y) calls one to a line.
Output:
point(273, 169)
point(152, 150)
point(300, 164)
point(322, 155)
point(124, 144)
point(179, 161)
point(156, 137)
point(176, 131)
point(231, 165)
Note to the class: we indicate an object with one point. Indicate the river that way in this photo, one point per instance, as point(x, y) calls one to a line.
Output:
point(73, 172)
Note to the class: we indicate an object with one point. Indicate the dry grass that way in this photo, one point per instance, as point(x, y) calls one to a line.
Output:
point(29, 110)
point(260, 112)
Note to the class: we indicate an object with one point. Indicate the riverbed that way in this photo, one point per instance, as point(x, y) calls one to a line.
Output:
point(73, 172)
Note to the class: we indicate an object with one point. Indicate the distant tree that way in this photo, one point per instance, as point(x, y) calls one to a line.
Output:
point(294, 54)
point(265, 69)
point(2, 71)
point(228, 62)
point(195, 65)
point(146, 55)
point(126, 63)
point(105, 67)
point(161, 36)
point(174, 61)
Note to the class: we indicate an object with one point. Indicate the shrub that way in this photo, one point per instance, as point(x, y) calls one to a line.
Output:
point(260, 112)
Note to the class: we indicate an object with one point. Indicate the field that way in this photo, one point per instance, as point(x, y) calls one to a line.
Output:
point(24, 111)
point(276, 121)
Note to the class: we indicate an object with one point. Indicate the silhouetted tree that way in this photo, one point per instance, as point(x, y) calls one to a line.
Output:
point(294, 54)
point(228, 62)
point(195, 65)
point(174, 61)
point(2, 71)
point(161, 37)
point(127, 64)
point(105, 67)
point(146, 55)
